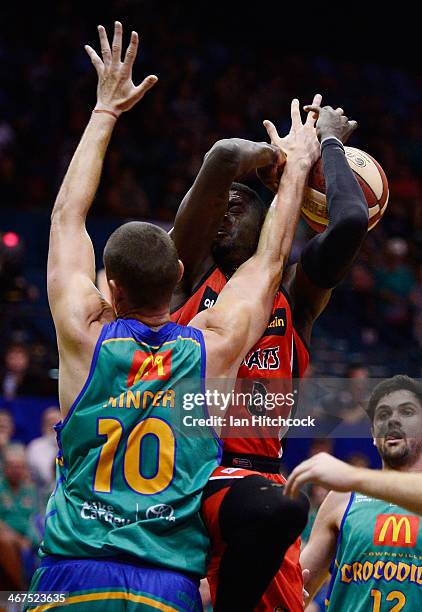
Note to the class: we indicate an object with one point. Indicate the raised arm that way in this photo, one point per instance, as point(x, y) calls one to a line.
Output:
point(327, 257)
point(76, 305)
point(321, 547)
point(403, 489)
point(243, 308)
point(203, 208)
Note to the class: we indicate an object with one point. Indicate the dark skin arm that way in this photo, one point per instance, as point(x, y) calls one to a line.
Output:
point(202, 209)
point(308, 299)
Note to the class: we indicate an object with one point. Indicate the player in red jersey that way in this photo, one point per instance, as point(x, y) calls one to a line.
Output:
point(216, 230)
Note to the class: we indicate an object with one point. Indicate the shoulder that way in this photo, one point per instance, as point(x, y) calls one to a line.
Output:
point(334, 507)
point(208, 278)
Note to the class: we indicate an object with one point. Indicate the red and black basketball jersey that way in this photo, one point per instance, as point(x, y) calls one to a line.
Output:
point(267, 371)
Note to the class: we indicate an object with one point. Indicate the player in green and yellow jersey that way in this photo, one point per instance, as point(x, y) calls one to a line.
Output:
point(123, 529)
point(376, 545)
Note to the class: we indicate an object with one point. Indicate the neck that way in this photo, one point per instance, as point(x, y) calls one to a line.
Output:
point(154, 319)
point(411, 466)
point(228, 269)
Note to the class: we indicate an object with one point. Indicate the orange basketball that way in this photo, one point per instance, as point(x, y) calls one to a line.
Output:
point(371, 178)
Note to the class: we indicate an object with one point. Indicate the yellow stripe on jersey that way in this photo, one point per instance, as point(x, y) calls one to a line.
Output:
point(126, 340)
point(141, 599)
point(149, 345)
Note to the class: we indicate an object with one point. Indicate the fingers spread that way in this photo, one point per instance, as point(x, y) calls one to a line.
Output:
point(312, 117)
point(351, 126)
point(271, 130)
point(131, 50)
point(141, 89)
point(339, 111)
point(311, 108)
point(117, 43)
point(105, 47)
point(295, 114)
point(98, 64)
point(317, 100)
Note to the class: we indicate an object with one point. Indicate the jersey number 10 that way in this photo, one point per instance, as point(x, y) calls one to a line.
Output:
point(112, 429)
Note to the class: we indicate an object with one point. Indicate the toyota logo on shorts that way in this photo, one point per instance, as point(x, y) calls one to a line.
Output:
point(161, 511)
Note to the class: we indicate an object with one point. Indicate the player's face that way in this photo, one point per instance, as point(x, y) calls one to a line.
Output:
point(238, 235)
point(397, 428)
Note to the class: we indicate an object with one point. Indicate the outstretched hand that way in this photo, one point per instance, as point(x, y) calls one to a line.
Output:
point(116, 91)
point(301, 143)
point(324, 470)
point(331, 122)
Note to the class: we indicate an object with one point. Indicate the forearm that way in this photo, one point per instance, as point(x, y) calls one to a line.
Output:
point(402, 489)
point(252, 155)
point(203, 208)
point(328, 256)
point(83, 176)
point(282, 218)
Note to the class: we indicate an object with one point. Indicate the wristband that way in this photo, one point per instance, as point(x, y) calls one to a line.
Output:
point(106, 111)
point(335, 139)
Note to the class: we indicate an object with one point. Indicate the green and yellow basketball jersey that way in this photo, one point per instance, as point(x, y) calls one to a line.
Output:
point(378, 564)
point(130, 473)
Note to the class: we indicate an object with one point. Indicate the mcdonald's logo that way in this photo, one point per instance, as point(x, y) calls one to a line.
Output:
point(396, 530)
point(148, 366)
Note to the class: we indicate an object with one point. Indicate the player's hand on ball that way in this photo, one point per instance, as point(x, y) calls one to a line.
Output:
point(324, 470)
point(331, 122)
point(116, 91)
point(270, 175)
point(300, 144)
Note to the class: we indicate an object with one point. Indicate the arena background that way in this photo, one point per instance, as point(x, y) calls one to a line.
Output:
point(223, 68)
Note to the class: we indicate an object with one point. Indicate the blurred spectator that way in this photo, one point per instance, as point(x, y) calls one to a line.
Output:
point(20, 377)
point(18, 508)
point(42, 451)
point(320, 445)
point(18, 497)
point(416, 302)
point(344, 408)
point(395, 280)
point(362, 303)
point(354, 398)
point(14, 379)
point(358, 460)
point(7, 429)
point(126, 197)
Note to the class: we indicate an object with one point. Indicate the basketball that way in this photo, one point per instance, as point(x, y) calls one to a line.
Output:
point(371, 178)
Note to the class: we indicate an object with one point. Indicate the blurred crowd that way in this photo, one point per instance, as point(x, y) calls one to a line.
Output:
point(211, 86)
point(27, 477)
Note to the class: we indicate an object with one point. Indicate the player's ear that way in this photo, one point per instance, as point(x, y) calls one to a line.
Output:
point(181, 271)
point(374, 440)
point(115, 292)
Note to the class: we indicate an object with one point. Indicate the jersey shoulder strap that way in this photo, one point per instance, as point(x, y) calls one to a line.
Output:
point(204, 295)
